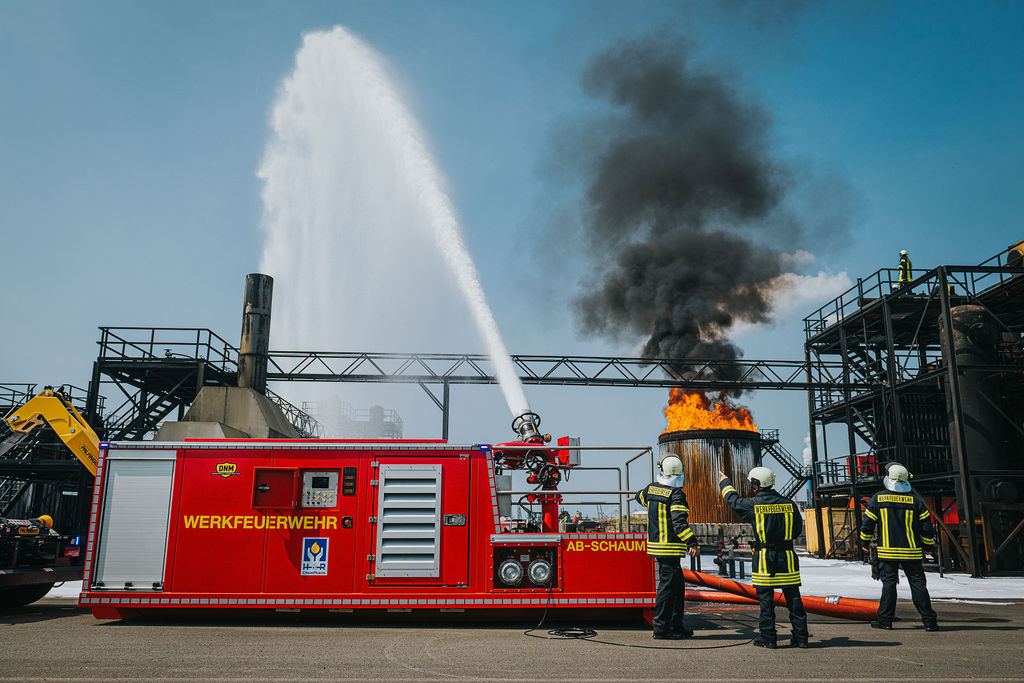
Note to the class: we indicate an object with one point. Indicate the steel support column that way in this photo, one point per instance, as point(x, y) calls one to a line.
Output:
point(92, 401)
point(444, 411)
point(813, 441)
point(850, 437)
point(958, 441)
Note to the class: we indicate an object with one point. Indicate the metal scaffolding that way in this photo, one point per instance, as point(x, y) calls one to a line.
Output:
point(910, 394)
point(159, 371)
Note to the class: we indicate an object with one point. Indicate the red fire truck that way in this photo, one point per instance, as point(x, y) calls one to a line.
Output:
point(346, 526)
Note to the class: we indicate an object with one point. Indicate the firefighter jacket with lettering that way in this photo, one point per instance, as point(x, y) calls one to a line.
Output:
point(904, 525)
point(668, 532)
point(776, 522)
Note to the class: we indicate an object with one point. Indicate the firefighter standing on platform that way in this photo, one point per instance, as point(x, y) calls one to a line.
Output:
point(905, 266)
point(905, 532)
point(776, 522)
point(668, 535)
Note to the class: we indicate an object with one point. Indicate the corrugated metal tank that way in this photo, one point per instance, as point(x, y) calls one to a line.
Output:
point(704, 452)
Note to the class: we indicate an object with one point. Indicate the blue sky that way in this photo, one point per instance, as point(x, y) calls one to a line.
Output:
point(130, 134)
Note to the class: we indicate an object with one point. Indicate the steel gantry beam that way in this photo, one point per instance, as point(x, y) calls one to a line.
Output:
point(592, 371)
point(175, 363)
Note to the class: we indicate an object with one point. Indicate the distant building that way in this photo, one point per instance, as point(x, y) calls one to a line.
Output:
point(343, 421)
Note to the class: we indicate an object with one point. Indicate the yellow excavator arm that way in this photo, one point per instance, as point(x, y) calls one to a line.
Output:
point(64, 419)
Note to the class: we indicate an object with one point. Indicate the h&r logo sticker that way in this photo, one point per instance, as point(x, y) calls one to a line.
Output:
point(314, 557)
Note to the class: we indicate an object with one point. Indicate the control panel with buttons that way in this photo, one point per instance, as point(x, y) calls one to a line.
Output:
point(319, 489)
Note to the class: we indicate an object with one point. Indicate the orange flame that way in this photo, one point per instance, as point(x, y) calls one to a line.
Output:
point(693, 410)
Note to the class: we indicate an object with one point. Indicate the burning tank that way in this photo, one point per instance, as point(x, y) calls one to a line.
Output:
point(708, 437)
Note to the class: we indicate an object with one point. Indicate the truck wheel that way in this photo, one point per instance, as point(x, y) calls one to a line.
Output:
point(19, 596)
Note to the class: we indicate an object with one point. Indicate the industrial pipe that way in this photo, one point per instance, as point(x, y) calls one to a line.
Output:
point(704, 453)
point(830, 606)
point(254, 349)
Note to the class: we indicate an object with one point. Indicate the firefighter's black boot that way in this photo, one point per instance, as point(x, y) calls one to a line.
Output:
point(764, 641)
point(669, 636)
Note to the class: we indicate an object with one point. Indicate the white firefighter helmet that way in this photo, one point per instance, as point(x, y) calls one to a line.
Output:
point(896, 478)
point(670, 471)
point(762, 476)
point(903, 252)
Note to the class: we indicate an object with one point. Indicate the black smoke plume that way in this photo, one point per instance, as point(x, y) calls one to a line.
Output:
point(687, 210)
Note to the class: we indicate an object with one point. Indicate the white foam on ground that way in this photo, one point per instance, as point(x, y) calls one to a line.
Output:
point(853, 580)
point(833, 577)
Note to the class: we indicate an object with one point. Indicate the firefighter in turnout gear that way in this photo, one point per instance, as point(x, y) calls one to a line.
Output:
point(776, 522)
point(905, 266)
point(905, 533)
point(669, 538)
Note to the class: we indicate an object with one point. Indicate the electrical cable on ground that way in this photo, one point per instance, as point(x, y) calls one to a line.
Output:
point(588, 634)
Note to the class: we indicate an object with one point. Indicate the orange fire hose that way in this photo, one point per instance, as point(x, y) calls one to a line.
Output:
point(831, 606)
point(718, 596)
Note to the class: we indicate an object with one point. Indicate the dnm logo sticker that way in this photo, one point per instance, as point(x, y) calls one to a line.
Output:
point(314, 557)
point(225, 469)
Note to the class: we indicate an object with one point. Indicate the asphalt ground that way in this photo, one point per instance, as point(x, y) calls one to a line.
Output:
point(56, 640)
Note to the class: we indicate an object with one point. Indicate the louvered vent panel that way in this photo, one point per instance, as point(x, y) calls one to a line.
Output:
point(409, 520)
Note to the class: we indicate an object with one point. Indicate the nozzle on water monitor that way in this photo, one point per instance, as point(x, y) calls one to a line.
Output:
point(527, 427)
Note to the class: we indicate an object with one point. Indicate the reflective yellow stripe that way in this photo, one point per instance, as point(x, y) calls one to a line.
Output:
point(885, 527)
point(763, 579)
point(688, 534)
point(666, 549)
point(679, 508)
point(907, 552)
point(662, 524)
point(728, 489)
point(643, 497)
point(898, 554)
point(864, 536)
point(759, 527)
point(871, 514)
point(780, 575)
point(789, 526)
point(776, 583)
point(908, 519)
point(929, 540)
point(789, 561)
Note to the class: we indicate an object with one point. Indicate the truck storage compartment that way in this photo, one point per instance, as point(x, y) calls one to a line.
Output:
point(134, 520)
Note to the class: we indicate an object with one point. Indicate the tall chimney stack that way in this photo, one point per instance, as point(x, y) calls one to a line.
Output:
point(254, 349)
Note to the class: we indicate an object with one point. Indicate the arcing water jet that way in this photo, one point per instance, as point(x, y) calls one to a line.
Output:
point(346, 154)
